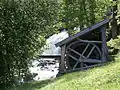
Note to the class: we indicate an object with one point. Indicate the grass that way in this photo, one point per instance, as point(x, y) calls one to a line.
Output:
point(31, 85)
point(101, 78)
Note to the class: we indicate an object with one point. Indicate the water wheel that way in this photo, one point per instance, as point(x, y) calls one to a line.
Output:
point(82, 54)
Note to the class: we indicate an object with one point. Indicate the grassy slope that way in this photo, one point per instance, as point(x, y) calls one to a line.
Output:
point(101, 78)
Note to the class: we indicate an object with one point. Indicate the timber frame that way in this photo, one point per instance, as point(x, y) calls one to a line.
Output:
point(84, 49)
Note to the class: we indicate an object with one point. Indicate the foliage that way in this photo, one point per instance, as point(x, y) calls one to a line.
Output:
point(24, 24)
point(82, 13)
point(114, 46)
point(114, 43)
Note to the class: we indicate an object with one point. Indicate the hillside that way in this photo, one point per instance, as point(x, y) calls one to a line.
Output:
point(106, 77)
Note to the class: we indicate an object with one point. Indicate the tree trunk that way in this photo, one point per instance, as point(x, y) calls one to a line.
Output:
point(114, 22)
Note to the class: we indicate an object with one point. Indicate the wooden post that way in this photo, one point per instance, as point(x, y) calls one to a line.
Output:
point(104, 44)
point(114, 22)
point(62, 61)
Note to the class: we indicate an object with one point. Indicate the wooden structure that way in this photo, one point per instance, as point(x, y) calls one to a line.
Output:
point(84, 49)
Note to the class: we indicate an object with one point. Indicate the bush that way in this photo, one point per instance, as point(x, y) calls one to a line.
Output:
point(24, 24)
point(114, 45)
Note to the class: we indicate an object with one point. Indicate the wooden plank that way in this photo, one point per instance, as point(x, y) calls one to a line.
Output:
point(83, 32)
point(62, 61)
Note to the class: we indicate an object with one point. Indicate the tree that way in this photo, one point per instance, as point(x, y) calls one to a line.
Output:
point(82, 13)
point(24, 24)
point(114, 22)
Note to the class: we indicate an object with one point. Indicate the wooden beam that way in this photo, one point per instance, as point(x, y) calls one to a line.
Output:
point(87, 41)
point(91, 61)
point(84, 68)
point(93, 27)
point(104, 44)
point(62, 61)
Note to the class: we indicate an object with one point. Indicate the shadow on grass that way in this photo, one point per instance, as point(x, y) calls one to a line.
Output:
point(32, 85)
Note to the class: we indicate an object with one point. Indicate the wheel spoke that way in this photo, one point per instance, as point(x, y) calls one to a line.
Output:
point(73, 57)
point(75, 65)
point(76, 52)
point(90, 52)
point(85, 49)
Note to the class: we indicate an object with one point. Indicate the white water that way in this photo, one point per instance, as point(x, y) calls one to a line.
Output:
point(51, 50)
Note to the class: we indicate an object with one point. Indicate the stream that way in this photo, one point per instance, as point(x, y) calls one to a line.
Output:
point(48, 71)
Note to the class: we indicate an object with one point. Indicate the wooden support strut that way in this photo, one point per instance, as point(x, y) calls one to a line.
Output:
point(62, 61)
point(104, 45)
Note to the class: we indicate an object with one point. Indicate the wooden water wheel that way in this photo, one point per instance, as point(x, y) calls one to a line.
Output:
point(84, 49)
point(82, 54)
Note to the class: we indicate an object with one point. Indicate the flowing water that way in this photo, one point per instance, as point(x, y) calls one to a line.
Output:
point(50, 70)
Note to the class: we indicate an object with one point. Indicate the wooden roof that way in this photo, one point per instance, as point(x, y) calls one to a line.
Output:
point(85, 31)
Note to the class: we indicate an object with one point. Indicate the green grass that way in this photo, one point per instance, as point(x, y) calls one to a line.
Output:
point(100, 78)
